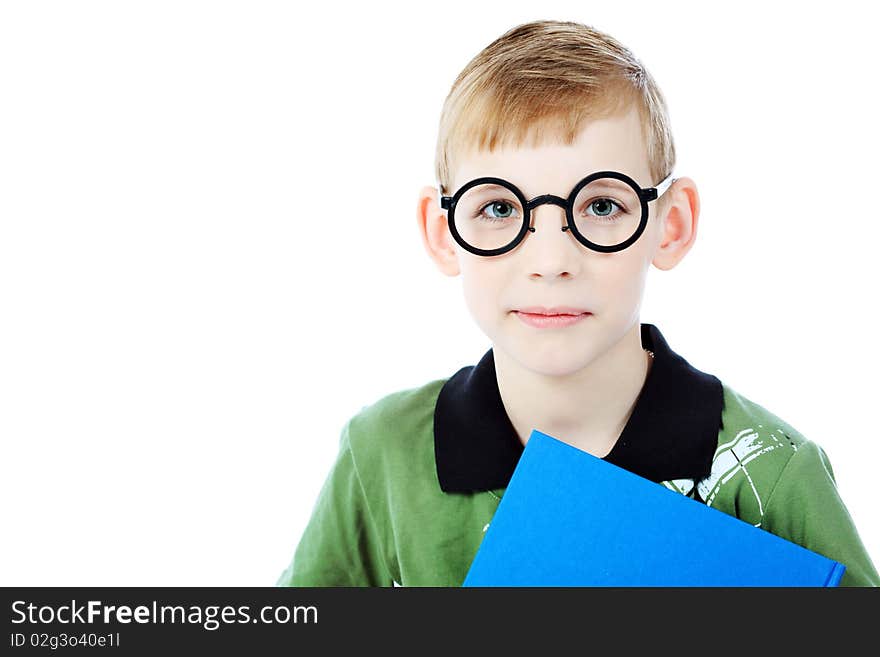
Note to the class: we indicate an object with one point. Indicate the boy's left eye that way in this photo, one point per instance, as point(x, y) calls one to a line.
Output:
point(603, 208)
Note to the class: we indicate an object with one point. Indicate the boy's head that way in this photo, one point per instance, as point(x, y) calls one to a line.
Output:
point(543, 107)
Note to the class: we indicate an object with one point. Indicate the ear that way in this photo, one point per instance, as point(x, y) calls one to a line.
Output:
point(434, 229)
point(678, 218)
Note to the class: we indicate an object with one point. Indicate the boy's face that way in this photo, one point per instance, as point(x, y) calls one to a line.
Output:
point(550, 267)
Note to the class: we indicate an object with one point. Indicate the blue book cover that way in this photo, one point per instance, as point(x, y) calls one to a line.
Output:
point(569, 518)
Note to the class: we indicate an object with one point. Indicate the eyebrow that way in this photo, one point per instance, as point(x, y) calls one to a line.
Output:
point(493, 186)
point(486, 188)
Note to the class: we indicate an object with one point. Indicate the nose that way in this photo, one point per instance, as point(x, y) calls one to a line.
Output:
point(552, 252)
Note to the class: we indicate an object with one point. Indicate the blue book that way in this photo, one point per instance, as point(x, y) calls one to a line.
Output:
point(569, 518)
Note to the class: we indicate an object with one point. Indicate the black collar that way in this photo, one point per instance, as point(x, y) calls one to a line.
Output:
point(671, 434)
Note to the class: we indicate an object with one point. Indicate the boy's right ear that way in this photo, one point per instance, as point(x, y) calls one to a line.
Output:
point(434, 229)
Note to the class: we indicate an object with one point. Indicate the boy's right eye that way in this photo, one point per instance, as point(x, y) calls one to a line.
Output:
point(499, 210)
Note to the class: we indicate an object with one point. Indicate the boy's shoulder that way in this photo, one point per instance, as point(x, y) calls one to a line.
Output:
point(740, 410)
point(397, 424)
point(754, 448)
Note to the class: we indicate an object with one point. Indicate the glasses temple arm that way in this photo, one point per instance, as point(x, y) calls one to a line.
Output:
point(664, 185)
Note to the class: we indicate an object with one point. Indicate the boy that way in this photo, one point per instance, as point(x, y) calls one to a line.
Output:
point(555, 196)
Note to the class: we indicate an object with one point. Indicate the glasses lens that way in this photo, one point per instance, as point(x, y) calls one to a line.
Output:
point(488, 216)
point(607, 211)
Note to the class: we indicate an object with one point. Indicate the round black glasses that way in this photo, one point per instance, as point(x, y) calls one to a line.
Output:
point(607, 211)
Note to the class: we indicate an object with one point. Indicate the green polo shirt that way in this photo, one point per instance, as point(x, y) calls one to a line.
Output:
point(420, 473)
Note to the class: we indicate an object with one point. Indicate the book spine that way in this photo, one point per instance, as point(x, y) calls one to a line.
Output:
point(835, 575)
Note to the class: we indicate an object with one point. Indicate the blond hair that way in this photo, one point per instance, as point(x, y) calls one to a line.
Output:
point(545, 79)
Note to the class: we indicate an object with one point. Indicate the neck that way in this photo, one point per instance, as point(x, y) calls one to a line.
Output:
point(588, 408)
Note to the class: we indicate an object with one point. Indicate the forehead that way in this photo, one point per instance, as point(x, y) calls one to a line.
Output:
point(613, 143)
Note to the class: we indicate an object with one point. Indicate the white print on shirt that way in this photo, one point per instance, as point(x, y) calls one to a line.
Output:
point(683, 486)
point(732, 458)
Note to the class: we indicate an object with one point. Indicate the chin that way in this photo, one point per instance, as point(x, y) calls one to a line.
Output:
point(556, 359)
point(564, 365)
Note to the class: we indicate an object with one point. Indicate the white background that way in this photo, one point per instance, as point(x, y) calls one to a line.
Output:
point(209, 257)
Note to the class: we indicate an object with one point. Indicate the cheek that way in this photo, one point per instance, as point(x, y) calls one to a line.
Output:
point(623, 275)
point(622, 281)
point(483, 294)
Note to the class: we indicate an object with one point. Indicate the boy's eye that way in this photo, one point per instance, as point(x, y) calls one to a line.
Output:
point(497, 210)
point(604, 207)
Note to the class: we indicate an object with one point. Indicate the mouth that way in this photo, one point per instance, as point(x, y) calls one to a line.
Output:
point(540, 317)
point(553, 310)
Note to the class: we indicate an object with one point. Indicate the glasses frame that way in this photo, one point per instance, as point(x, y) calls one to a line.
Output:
point(645, 195)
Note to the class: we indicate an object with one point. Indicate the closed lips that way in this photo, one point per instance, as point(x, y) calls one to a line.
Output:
point(556, 310)
point(551, 318)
